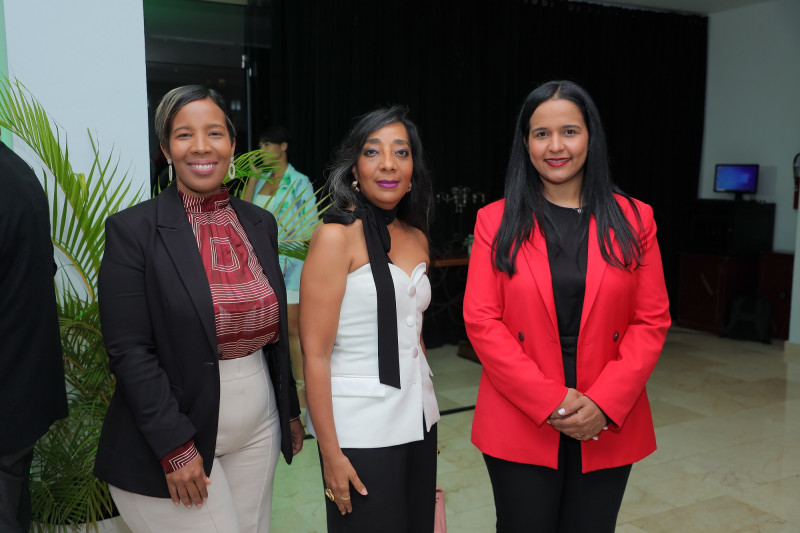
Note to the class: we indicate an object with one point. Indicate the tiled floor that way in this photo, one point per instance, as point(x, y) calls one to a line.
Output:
point(727, 417)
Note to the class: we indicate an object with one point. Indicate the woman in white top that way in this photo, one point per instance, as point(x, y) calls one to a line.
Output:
point(362, 294)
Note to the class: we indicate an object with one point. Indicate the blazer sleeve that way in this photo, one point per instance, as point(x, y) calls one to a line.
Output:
point(623, 379)
point(128, 335)
point(512, 373)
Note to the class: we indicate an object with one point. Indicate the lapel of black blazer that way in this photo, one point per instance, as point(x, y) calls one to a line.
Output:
point(259, 235)
point(261, 238)
point(179, 240)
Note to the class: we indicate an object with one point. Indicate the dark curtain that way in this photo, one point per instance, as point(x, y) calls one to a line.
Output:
point(463, 69)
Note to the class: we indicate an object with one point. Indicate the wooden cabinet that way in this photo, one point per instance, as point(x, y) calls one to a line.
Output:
point(775, 285)
point(730, 228)
point(727, 257)
point(708, 284)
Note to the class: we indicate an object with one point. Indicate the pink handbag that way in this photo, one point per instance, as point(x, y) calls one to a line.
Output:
point(439, 517)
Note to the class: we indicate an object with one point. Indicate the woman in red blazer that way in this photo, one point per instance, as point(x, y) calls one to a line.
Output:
point(567, 310)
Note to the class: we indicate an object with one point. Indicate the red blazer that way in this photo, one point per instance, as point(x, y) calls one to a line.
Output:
point(511, 323)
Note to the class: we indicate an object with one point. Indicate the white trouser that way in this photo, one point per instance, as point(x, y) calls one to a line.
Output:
point(248, 447)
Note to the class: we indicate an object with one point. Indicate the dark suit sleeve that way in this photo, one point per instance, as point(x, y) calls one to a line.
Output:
point(127, 329)
point(32, 391)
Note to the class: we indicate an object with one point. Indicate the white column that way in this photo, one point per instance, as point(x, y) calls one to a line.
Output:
point(84, 61)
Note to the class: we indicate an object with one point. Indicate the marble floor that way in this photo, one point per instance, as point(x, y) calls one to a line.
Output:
point(727, 416)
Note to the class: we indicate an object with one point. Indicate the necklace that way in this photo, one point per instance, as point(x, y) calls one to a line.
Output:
point(578, 210)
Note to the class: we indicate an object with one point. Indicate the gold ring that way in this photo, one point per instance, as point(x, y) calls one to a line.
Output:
point(345, 498)
point(329, 494)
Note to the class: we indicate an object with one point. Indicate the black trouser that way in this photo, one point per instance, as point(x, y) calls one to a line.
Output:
point(401, 486)
point(531, 498)
point(15, 497)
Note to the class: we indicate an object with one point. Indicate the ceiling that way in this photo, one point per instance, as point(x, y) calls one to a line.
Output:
point(702, 7)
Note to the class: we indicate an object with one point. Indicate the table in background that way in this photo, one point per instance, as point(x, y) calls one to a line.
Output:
point(709, 283)
point(444, 319)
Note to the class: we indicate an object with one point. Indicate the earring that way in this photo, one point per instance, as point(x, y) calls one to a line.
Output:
point(231, 170)
point(169, 166)
point(409, 188)
point(354, 186)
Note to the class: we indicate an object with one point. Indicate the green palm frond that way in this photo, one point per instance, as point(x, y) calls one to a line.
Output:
point(251, 165)
point(22, 115)
point(86, 365)
point(63, 489)
point(295, 226)
point(64, 492)
point(79, 203)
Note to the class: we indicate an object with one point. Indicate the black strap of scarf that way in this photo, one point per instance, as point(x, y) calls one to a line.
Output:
point(376, 233)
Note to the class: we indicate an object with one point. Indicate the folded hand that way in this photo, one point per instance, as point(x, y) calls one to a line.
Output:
point(188, 485)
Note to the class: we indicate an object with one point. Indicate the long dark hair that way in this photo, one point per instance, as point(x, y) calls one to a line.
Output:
point(416, 207)
point(524, 198)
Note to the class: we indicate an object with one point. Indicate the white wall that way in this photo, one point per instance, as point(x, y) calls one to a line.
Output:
point(84, 61)
point(753, 112)
point(753, 103)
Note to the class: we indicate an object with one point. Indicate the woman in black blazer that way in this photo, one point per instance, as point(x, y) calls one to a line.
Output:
point(193, 309)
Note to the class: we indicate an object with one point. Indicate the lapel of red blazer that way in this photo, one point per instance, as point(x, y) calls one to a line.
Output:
point(535, 254)
point(595, 268)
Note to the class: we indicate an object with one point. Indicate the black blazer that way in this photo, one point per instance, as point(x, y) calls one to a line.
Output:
point(32, 390)
point(158, 324)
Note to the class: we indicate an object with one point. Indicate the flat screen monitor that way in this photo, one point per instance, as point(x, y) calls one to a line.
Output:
point(736, 179)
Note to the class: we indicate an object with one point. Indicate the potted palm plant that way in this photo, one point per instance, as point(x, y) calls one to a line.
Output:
point(64, 492)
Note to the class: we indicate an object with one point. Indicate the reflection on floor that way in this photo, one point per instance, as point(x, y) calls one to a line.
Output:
point(727, 417)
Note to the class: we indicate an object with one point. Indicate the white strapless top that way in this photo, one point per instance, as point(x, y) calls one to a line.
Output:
point(367, 413)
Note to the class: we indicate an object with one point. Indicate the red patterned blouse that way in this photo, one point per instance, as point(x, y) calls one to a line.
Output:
point(245, 306)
